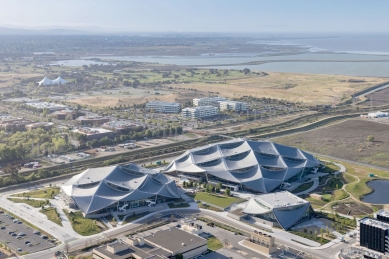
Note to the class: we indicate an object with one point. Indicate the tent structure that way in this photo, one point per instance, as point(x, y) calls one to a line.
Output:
point(47, 81)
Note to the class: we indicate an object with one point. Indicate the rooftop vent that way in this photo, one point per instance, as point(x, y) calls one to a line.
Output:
point(183, 244)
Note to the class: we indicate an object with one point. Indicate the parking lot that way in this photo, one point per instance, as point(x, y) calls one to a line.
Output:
point(14, 242)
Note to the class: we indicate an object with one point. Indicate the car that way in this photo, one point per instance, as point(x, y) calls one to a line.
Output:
point(15, 221)
point(11, 217)
point(19, 249)
point(19, 222)
point(13, 234)
point(36, 232)
point(1, 211)
point(21, 234)
point(2, 227)
point(27, 242)
point(44, 237)
point(18, 237)
point(10, 232)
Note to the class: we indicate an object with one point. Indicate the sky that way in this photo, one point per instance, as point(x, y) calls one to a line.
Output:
point(224, 16)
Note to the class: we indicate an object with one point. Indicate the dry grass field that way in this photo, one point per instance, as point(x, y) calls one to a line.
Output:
point(347, 140)
point(311, 89)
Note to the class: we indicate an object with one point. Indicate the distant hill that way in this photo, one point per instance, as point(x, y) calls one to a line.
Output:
point(42, 31)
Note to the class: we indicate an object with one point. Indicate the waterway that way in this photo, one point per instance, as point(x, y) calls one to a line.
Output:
point(380, 193)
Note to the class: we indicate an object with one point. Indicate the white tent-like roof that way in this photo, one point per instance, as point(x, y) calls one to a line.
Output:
point(47, 81)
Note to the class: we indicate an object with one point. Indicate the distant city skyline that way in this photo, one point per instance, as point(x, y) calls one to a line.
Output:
point(249, 16)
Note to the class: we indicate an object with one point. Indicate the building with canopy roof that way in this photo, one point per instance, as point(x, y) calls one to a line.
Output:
point(257, 166)
point(282, 209)
point(99, 191)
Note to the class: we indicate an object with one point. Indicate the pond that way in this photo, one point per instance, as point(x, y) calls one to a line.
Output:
point(380, 193)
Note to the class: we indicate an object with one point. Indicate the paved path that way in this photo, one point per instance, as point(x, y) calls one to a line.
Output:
point(313, 187)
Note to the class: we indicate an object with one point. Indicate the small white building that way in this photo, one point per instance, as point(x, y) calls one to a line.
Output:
point(163, 107)
point(208, 101)
point(377, 114)
point(233, 106)
point(199, 112)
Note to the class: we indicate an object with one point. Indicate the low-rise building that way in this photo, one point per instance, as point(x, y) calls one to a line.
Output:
point(94, 120)
point(163, 107)
point(262, 242)
point(281, 209)
point(94, 133)
point(46, 105)
point(199, 112)
point(40, 125)
point(233, 106)
point(121, 126)
point(208, 101)
point(12, 123)
point(162, 244)
point(63, 114)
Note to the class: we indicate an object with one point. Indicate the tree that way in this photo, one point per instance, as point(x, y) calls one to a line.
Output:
point(219, 185)
point(179, 256)
point(246, 71)
point(228, 192)
point(370, 138)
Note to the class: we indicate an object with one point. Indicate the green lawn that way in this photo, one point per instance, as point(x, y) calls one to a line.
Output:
point(214, 244)
point(81, 225)
point(339, 195)
point(33, 203)
point(213, 199)
point(303, 187)
point(52, 215)
point(46, 193)
point(316, 203)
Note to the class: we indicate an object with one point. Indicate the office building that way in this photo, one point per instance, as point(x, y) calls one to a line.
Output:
point(233, 106)
point(208, 101)
point(163, 107)
point(199, 112)
point(259, 166)
point(281, 209)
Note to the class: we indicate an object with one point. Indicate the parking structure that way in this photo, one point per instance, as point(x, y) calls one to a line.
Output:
point(9, 224)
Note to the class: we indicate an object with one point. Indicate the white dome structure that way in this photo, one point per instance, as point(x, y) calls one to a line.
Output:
point(258, 166)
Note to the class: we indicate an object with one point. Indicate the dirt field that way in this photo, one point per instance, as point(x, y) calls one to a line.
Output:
point(346, 140)
point(352, 209)
point(379, 98)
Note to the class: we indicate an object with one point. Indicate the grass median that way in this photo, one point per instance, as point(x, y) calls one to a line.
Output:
point(52, 215)
point(217, 200)
point(46, 193)
point(81, 225)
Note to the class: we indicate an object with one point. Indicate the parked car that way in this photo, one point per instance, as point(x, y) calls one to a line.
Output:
point(36, 232)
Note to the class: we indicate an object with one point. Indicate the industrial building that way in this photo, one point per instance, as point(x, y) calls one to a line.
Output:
point(199, 112)
point(208, 101)
point(99, 191)
point(233, 106)
point(281, 209)
point(162, 244)
point(94, 133)
point(257, 166)
point(374, 233)
point(163, 107)
point(40, 125)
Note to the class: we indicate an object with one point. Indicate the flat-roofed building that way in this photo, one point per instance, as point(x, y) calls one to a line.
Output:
point(63, 114)
point(162, 244)
point(208, 101)
point(94, 133)
point(283, 209)
point(199, 112)
point(262, 242)
point(90, 120)
point(233, 106)
point(40, 125)
point(10, 123)
point(374, 234)
point(121, 126)
point(163, 107)
point(46, 105)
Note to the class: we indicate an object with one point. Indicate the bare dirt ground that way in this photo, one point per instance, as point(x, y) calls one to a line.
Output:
point(352, 209)
point(378, 98)
point(346, 140)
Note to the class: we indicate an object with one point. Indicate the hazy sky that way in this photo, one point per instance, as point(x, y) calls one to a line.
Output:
point(201, 15)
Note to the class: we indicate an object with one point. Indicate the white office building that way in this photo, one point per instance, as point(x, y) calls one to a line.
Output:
point(233, 106)
point(199, 112)
point(164, 107)
point(208, 101)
